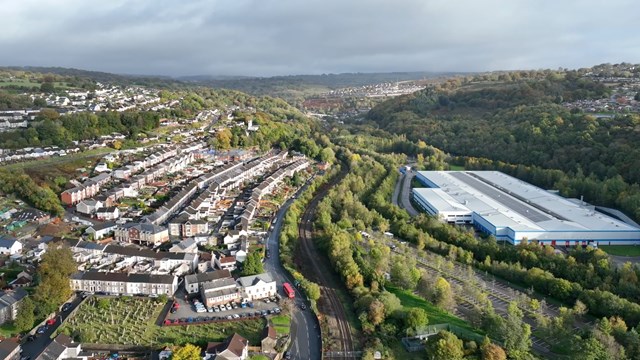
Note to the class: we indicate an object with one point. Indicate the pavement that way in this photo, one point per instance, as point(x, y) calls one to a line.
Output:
point(33, 348)
point(305, 334)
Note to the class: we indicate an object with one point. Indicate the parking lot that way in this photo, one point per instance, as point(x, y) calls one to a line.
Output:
point(186, 311)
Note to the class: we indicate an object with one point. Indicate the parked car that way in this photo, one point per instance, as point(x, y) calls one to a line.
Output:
point(303, 307)
point(234, 305)
point(67, 307)
point(42, 329)
point(228, 307)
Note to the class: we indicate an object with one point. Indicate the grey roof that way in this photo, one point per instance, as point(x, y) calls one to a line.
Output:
point(254, 279)
point(8, 298)
point(207, 276)
point(56, 348)
point(102, 226)
point(7, 346)
point(218, 283)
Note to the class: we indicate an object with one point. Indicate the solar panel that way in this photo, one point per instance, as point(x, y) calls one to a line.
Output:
point(525, 210)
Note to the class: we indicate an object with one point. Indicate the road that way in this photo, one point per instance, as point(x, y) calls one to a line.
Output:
point(33, 348)
point(405, 192)
point(305, 334)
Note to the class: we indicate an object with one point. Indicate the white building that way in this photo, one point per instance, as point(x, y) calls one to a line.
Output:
point(257, 286)
point(10, 246)
point(513, 210)
point(123, 283)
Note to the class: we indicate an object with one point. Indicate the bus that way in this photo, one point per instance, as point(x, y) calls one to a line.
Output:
point(288, 290)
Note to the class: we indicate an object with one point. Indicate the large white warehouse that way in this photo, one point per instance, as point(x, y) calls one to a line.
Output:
point(511, 209)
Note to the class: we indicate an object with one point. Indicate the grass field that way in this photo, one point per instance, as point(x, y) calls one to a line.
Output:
point(282, 323)
point(128, 320)
point(621, 250)
point(436, 315)
point(456, 167)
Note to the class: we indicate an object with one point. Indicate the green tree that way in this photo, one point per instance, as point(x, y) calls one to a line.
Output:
point(376, 313)
point(47, 87)
point(415, 319)
point(222, 139)
point(443, 295)
point(327, 155)
point(404, 273)
point(444, 346)
point(516, 333)
point(25, 317)
point(252, 264)
point(187, 352)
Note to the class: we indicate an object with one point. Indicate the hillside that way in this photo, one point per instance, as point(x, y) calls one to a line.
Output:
point(525, 122)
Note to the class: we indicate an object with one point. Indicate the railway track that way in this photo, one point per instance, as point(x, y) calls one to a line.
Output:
point(305, 231)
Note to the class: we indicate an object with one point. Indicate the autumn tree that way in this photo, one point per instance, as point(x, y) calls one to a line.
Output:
point(56, 267)
point(491, 351)
point(187, 352)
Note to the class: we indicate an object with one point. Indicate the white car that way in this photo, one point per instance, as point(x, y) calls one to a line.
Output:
point(228, 307)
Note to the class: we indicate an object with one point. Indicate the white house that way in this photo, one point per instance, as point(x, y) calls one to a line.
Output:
point(108, 213)
point(88, 206)
point(225, 262)
point(10, 246)
point(101, 230)
point(257, 286)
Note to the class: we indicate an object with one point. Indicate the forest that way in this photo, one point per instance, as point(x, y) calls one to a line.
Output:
point(492, 125)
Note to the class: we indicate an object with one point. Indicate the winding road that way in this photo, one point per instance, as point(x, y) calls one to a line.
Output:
point(305, 333)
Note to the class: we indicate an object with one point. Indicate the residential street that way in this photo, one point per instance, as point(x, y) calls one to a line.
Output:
point(33, 348)
point(306, 342)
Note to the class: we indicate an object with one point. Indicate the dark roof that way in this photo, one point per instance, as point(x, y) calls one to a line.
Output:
point(110, 210)
point(124, 277)
point(7, 242)
point(7, 346)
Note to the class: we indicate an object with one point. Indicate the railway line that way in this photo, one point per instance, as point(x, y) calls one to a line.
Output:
point(335, 309)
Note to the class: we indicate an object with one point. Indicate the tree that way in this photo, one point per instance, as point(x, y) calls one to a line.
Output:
point(516, 333)
point(491, 351)
point(415, 319)
point(222, 139)
point(444, 346)
point(56, 267)
point(103, 303)
point(47, 87)
point(404, 273)
point(187, 352)
point(252, 264)
point(25, 317)
point(327, 155)
point(376, 313)
point(443, 295)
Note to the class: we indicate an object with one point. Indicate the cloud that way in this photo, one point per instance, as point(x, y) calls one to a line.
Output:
point(275, 37)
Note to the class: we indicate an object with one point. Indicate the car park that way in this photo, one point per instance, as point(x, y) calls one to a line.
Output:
point(234, 306)
point(236, 316)
point(267, 300)
point(228, 307)
point(216, 308)
point(229, 317)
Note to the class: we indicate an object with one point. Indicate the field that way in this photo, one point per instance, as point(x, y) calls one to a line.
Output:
point(45, 170)
point(282, 324)
point(621, 250)
point(128, 320)
point(456, 167)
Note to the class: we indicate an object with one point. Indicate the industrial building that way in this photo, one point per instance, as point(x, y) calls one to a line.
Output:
point(512, 210)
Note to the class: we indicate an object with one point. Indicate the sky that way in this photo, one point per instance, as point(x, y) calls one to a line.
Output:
point(285, 37)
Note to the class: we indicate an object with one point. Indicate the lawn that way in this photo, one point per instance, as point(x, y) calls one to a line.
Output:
point(129, 320)
point(621, 250)
point(456, 167)
point(282, 324)
point(436, 315)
